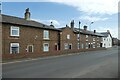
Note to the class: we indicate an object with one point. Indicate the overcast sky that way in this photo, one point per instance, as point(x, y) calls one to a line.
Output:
point(104, 13)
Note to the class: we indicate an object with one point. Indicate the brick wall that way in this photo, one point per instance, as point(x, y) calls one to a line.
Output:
point(28, 36)
point(34, 36)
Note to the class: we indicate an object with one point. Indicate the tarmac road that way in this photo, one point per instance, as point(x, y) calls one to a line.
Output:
point(93, 64)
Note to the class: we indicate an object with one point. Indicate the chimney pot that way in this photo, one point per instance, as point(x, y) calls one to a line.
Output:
point(72, 24)
point(27, 14)
point(94, 31)
point(66, 25)
point(52, 24)
point(85, 27)
point(108, 31)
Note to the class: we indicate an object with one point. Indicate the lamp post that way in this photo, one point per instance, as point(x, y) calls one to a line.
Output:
point(0, 7)
point(90, 25)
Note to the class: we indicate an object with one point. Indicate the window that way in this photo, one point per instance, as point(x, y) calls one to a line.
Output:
point(30, 48)
point(86, 36)
point(98, 44)
point(82, 45)
point(14, 31)
point(93, 39)
point(14, 48)
point(78, 37)
point(104, 45)
point(65, 46)
point(86, 45)
point(46, 47)
point(68, 36)
point(97, 38)
point(93, 44)
point(78, 45)
point(46, 34)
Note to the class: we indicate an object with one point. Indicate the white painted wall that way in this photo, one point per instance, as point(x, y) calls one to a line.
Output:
point(107, 42)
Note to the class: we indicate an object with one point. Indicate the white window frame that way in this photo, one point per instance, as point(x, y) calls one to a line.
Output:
point(44, 34)
point(14, 28)
point(44, 47)
point(78, 45)
point(66, 46)
point(82, 46)
point(11, 44)
point(98, 44)
point(93, 39)
point(87, 45)
point(93, 44)
point(78, 37)
point(32, 48)
point(68, 36)
point(86, 36)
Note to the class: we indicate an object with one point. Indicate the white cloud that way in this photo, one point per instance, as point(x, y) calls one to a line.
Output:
point(48, 22)
point(88, 6)
point(93, 19)
point(92, 6)
point(114, 32)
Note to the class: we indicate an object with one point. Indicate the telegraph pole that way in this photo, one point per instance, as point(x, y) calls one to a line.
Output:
point(79, 34)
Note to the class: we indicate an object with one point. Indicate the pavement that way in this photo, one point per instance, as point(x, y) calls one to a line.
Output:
point(93, 64)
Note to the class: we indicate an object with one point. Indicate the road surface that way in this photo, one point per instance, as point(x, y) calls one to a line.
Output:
point(93, 64)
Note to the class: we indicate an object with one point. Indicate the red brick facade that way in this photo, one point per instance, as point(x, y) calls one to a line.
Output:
point(28, 36)
point(32, 43)
point(74, 40)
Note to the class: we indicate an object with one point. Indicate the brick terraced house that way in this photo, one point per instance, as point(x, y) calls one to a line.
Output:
point(76, 40)
point(25, 38)
point(22, 37)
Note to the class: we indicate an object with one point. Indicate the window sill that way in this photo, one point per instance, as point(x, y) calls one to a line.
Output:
point(45, 51)
point(14, 35)
point(46, 38)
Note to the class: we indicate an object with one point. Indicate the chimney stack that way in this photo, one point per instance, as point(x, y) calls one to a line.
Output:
point(94, 31)
point(85, 27)
point(67, 25)
point(108, 31)
point(27, 14)
point(72, 24)
point(52, 24)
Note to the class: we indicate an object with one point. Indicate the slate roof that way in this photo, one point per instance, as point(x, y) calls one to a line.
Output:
point(22, 21)
point(106, 34)
point(82, 31)
point(76, 30)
